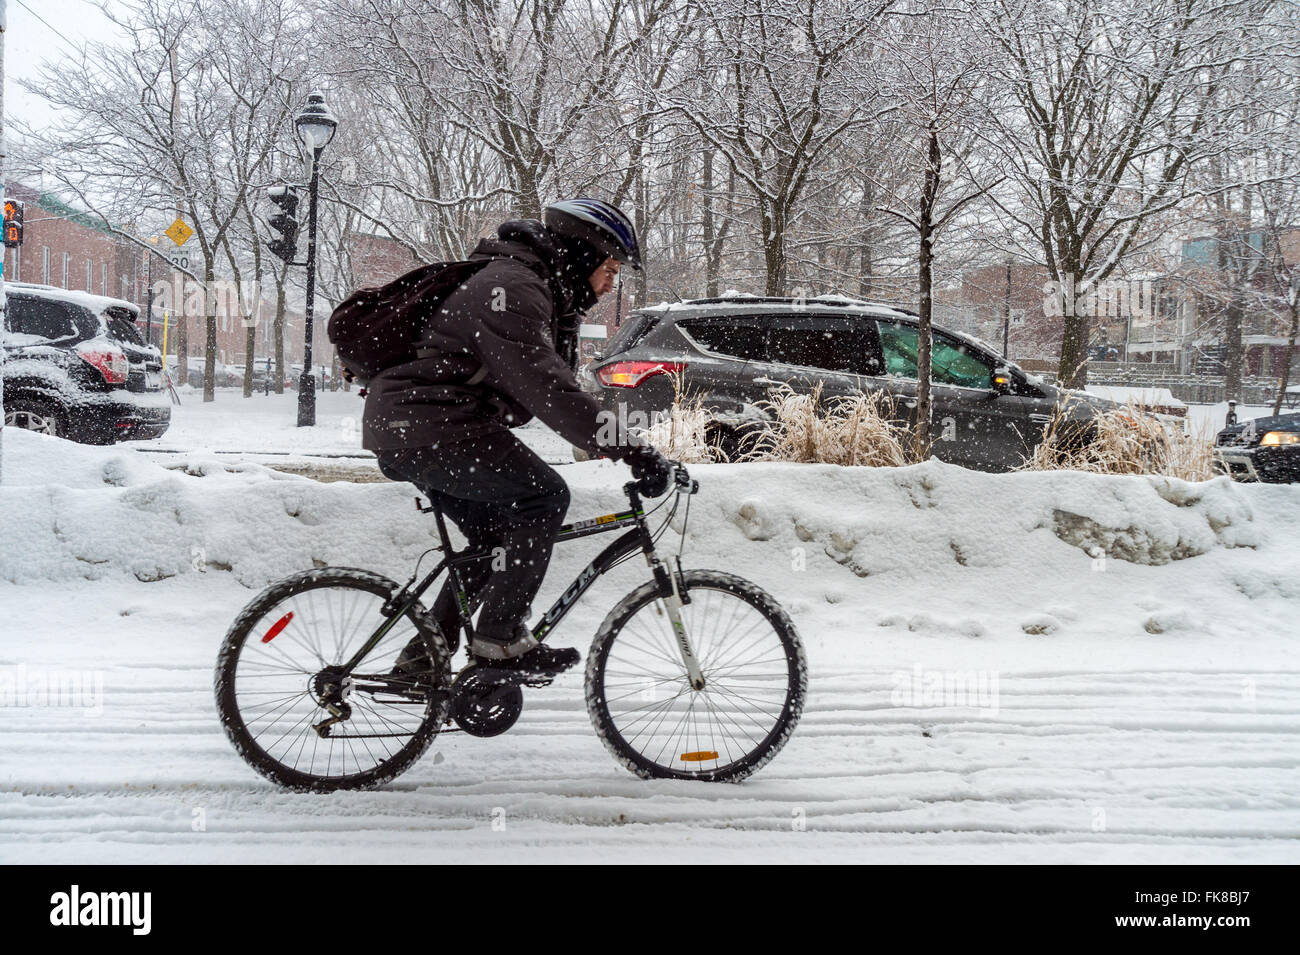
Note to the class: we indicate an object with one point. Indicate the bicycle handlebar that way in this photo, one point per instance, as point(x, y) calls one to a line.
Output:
point(682, 483)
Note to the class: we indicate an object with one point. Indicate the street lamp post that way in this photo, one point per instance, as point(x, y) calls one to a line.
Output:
point(315, 126)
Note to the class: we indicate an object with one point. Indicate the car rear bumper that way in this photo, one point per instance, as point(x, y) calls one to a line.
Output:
point(137, 418)
point(638, 406)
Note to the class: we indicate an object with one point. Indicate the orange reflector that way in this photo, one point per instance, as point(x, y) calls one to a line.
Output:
point(699, 757)
point(277, 627)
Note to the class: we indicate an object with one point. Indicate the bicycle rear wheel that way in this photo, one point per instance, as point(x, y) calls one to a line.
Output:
point(275, 679)
point(641, 701)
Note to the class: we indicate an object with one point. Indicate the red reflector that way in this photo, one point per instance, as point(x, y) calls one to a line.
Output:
point(279, 625)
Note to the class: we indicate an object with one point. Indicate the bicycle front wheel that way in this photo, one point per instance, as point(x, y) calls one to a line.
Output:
point(292, 713)
point(642, 704)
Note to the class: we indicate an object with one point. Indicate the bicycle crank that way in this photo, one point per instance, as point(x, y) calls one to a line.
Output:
point(487, 702)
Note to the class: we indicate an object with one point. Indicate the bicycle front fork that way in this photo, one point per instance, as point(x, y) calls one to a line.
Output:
point(671, 584)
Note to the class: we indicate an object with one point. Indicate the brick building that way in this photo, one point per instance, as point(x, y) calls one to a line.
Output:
point(1014, 295)
point(376, 259)
point(1133, 318)
point(70, 249)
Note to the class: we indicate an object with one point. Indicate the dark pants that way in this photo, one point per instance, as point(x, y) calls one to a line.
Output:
point(501, 495)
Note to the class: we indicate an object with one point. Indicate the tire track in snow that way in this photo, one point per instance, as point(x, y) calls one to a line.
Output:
point(859, 773)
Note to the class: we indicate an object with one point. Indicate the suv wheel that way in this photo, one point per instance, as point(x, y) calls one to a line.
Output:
point(721, 441)
point(730, 443)
point(39, 416)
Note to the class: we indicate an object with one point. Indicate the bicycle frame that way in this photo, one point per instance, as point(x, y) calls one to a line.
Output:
point(638, 537)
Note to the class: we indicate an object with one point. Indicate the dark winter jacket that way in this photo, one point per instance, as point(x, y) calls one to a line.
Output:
point(491, 359)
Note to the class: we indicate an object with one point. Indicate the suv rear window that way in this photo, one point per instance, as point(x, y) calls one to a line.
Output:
point(630, 333)
point(121, 325)
point(743, 338)
point(51, 320)
point(828, 344)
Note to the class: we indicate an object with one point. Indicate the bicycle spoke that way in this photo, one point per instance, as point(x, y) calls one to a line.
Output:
point(277, 685)
point(655, 712)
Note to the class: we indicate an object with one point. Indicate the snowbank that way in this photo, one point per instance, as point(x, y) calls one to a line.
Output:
point(967, 548)
point(1155, 398)
point(1157, 679)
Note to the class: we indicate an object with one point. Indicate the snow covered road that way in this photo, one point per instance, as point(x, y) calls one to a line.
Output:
point(1078, 765)
point(1002, 668)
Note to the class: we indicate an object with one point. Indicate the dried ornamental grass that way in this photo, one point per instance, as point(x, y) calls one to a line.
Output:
point(1126, 441)
point(680, 435)
point(863, 429)
point(867, 432)
point(857, 429)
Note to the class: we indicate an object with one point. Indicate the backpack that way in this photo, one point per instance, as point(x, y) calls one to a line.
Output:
point(377, 327)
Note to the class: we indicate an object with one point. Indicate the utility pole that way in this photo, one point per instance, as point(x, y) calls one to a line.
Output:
point(4, 27)
point(148, 302)
point(1006, 313)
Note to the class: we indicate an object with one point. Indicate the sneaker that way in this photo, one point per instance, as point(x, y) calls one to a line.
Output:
point(489, 646)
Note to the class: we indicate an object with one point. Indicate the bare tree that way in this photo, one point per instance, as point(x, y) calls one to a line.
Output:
point(938, 73)
point(789, 85)
point(1277, 191)
point(478, 106)
point(181, 119)
point(1113, 103)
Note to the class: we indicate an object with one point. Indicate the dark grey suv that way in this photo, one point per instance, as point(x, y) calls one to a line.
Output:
point(731, 351)
point(77, 367)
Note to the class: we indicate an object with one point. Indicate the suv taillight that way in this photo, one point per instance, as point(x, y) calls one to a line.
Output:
point(108, 360)
point(629, 374)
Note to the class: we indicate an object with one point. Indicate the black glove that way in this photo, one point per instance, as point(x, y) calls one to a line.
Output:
point(651, 469)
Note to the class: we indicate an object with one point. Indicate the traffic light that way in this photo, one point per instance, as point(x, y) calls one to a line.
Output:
point(13, 223)
point(284, 243)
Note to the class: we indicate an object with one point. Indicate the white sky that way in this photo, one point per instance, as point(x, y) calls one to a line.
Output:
point(28, 43)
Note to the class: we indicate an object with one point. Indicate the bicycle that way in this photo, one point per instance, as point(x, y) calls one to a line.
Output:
point(696, 674)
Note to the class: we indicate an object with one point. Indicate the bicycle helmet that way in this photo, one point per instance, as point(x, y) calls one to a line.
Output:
point(598, 223)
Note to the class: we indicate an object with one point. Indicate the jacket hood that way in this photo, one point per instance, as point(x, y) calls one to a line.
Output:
point(528, 239)
point(569, 262)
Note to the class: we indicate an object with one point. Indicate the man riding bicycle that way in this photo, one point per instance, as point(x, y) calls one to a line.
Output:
point(496, 354)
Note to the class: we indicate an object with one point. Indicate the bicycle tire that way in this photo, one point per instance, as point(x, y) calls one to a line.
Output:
point(790, 665)
point(268, 607)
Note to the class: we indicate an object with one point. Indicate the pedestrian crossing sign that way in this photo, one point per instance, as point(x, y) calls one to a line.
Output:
point(179, 232)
